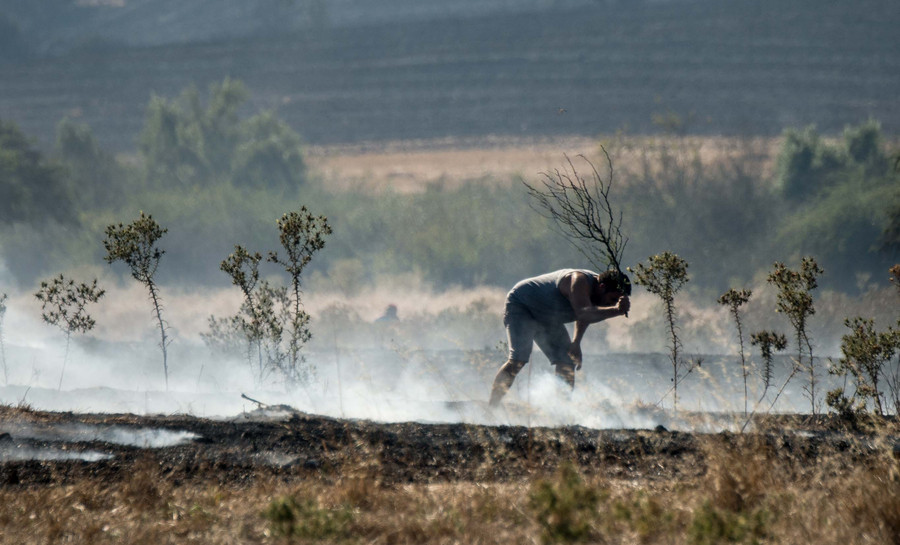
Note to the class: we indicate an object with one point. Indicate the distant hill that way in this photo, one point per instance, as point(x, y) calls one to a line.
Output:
point(57, 26)
point(343, 71)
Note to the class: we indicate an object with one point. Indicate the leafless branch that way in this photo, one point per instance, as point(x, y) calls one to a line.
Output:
point(581, 211)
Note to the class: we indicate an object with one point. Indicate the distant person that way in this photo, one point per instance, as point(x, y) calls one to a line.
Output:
point(390, 315)
point(537, 310)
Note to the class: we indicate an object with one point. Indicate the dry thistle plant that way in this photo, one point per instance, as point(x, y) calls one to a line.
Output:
point(664, 275)
point(260, 317)
point(301, 235)
point(135, 245)
point(867, 358)
point(64, 305)
point(769, 342)
point(734, 299)
point(795, 301)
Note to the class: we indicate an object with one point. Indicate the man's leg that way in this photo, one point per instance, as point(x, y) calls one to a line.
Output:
point(504, 379)
point(520, 328)
point(554, 341)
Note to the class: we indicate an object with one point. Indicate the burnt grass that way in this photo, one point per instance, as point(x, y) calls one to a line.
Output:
point(303, 446)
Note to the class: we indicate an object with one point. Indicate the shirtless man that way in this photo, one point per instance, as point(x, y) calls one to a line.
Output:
point(537, 310)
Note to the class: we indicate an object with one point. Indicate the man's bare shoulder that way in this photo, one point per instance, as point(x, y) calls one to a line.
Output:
point(575, 282)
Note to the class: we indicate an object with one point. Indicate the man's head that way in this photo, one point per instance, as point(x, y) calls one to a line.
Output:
point(614, 280)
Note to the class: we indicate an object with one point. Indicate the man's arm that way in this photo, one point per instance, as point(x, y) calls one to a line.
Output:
point(577, 289)
point(575, 347)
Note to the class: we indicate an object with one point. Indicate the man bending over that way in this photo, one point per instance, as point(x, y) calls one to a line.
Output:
point(537, 310)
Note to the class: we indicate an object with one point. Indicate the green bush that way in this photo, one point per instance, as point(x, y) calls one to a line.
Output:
point(842, 200)
point(712, 526)
point(567, 508)
point(306, 519)
point(646, 516)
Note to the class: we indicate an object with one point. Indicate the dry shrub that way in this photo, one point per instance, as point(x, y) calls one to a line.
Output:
point(358, 490)
point(445, 513)
point(739, 471)
point(646, 515)
point(869, 503)
point(757, 489)
point(146, 488)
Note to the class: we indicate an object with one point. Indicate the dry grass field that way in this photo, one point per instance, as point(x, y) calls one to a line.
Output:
point(413, 166)
point(303, 479)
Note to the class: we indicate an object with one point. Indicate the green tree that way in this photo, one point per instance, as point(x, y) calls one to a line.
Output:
point(269, 154)
point(664, 275)
point(864, 147)
point(186, 143)
point(301, 235)
point(32, 188)
point(94, 174)
point(804, 163)
point(64, 305)
point(135, 245)
point(842, 197)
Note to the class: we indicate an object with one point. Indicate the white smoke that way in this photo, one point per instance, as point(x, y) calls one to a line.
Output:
point(435, 364)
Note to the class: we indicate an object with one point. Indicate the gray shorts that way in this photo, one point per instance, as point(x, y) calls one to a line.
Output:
point(523, 330)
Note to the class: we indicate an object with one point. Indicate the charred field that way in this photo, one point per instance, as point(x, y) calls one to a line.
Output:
point(278, 475)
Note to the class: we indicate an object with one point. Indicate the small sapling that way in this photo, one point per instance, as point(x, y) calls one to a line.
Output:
point(795, 301)
point(734, 299)
point(135, 244)
point(769, 342)
point(867, 358)
point(260, 318)
point(664, 275)
point(301, 235)
point(64, 305)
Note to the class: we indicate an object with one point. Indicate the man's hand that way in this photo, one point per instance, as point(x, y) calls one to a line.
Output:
point(623, 305)
point(575, 353)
